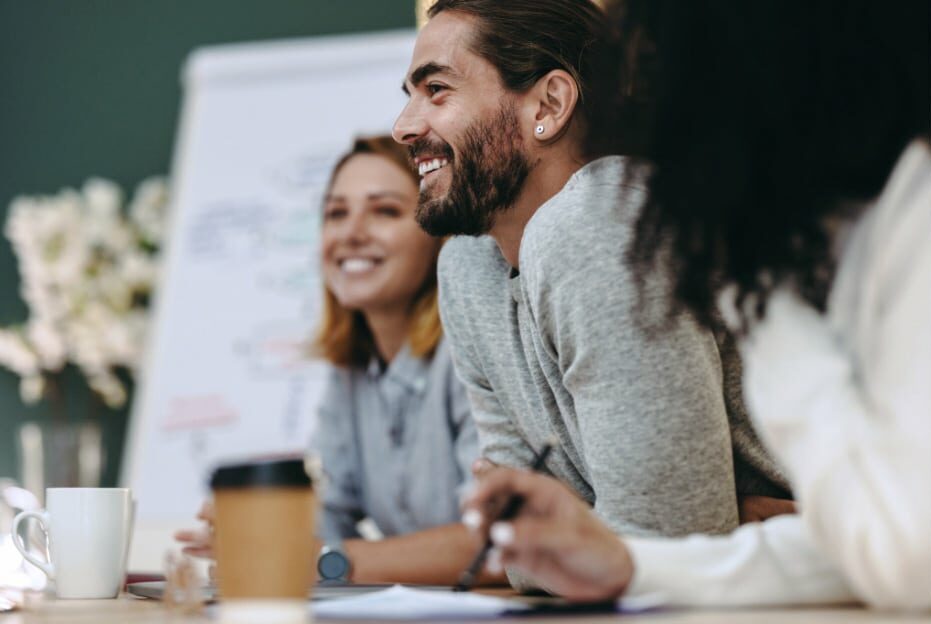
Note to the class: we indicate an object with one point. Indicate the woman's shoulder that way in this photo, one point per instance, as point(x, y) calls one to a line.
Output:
point(339, 377)
point(440, 379)
point(447, 383)
point(340, 382)
point(440, 361)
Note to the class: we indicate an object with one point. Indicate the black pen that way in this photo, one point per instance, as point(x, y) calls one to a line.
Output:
point(467, 580)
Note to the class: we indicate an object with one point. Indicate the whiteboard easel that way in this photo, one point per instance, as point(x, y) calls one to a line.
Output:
point(226, 375)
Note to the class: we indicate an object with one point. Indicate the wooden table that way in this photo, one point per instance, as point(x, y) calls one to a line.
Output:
point(130, 609)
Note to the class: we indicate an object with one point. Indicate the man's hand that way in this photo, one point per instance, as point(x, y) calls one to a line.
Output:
point(759, 508)
point(199, 542)
point(556, 539)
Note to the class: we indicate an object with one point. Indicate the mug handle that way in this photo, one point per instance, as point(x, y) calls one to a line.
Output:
point(44, 521)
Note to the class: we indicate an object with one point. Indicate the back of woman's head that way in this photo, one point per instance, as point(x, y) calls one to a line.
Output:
point(343, 337)
point(770, 116)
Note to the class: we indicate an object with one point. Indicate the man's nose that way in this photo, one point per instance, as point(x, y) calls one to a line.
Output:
point(409, 126)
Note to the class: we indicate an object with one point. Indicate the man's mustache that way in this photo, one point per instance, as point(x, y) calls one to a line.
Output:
point(433, 148)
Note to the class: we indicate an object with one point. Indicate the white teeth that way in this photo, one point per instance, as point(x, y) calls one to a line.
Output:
point(427, 166)
point(357, 265)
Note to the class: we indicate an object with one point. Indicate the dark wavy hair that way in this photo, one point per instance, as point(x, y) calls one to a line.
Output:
point(526, 39)
point(771, 117)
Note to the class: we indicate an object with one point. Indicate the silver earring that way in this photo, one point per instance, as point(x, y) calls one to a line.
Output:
point(539, 129)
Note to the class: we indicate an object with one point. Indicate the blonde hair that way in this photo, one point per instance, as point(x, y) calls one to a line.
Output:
point(343, 337)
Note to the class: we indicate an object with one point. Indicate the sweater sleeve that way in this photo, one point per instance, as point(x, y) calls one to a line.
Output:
point(498, 438)
point(649, 404)
point(860, 466)
point(771, 563)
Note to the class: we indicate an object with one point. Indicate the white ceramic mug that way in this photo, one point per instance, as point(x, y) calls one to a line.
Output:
point(89, 531)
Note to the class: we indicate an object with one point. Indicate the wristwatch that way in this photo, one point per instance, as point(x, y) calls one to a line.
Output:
point(333, 565)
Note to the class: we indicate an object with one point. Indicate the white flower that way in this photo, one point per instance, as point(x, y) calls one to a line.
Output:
point(86, 271)
point(114, 290)
point(84, 336)
point(138, 270)
point(136, 325)
point(107, 237)
point(15, 353)
point(47, 342)
point(31, 389)
point(109, 387)
point(103, 199)
point(147, 209)
point(118, 342)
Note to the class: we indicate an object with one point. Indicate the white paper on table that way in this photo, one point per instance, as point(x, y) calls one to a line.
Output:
point(407, 603)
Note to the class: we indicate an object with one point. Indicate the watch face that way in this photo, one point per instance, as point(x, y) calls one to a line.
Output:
point(333, 565)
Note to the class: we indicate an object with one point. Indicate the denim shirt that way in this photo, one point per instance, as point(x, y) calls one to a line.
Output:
point(396, 446)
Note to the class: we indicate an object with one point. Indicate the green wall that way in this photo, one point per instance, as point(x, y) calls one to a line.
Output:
point(91, 87)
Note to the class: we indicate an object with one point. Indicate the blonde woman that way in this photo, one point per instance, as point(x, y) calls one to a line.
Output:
point(395, 434)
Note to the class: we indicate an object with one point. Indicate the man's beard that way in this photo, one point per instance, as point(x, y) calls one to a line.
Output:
point(486, 178)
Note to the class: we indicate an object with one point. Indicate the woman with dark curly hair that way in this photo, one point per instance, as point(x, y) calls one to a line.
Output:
point(792, 193)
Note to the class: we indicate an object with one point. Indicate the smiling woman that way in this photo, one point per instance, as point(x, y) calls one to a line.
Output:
point(393, 405)
point(378, 265)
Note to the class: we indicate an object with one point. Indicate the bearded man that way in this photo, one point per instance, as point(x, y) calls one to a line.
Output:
point(509, 120)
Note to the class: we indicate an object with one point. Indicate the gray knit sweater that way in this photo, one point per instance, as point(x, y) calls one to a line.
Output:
point(649, 432)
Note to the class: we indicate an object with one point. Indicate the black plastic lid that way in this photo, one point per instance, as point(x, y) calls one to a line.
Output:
point(277, 473)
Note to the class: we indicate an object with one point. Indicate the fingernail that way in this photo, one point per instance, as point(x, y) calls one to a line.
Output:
point(502, 533)
point(472, 518)
point(493, 562)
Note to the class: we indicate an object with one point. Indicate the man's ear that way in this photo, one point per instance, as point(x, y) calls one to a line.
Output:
point(551, 103)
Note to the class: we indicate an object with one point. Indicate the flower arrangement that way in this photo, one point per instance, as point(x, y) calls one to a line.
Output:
point(87, 267)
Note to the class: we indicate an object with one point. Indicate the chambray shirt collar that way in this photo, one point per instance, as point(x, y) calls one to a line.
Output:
point(406, 370)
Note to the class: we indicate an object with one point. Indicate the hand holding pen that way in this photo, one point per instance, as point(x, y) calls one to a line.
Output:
point(553, 538)
point(511, 508)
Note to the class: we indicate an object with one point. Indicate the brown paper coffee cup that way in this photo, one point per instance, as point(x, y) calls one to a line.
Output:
point(264, 531)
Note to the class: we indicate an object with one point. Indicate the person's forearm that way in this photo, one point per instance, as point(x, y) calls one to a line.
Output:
point(769, 563)
point(434, 556)
point(858, 452)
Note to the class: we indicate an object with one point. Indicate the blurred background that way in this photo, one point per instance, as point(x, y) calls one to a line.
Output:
point(92, 88)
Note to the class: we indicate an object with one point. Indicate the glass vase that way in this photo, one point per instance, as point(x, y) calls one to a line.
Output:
point(56, 454)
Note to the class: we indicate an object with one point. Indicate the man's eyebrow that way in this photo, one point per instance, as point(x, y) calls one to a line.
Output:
point(425, 71)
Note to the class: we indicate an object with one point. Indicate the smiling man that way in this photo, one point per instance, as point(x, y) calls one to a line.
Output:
point(509, 121)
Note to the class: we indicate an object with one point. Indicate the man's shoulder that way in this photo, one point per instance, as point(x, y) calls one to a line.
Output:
point(473, 289)
point(472, 274)
point(593, 214)
point(470, 258)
